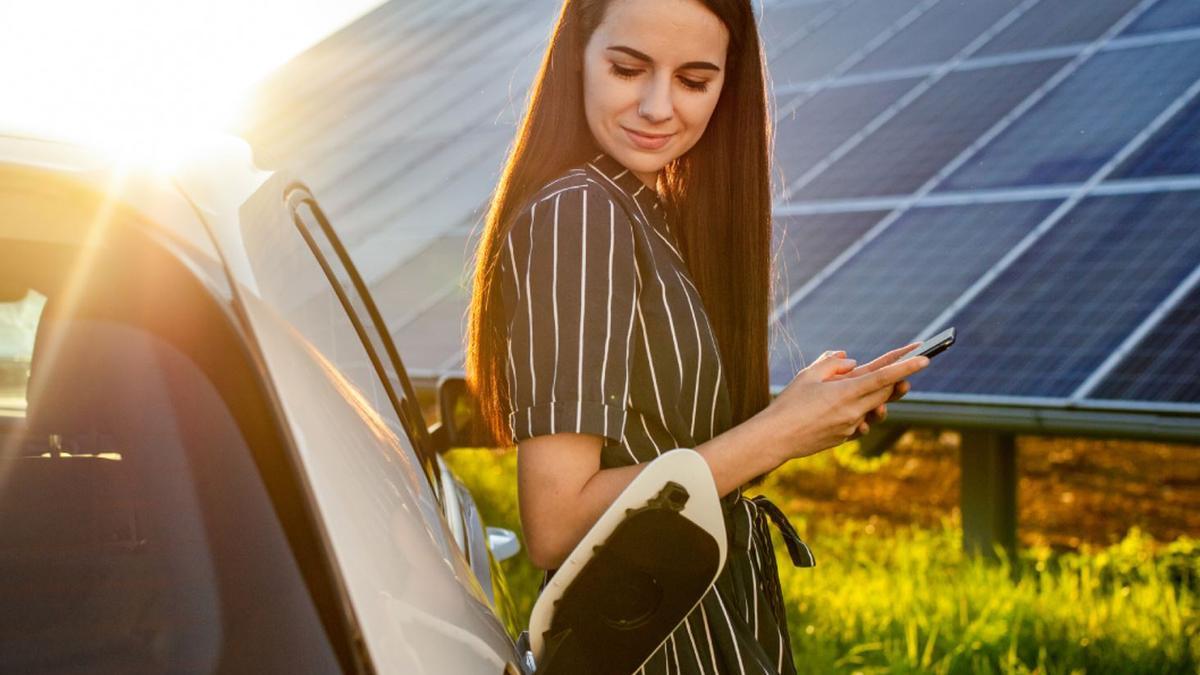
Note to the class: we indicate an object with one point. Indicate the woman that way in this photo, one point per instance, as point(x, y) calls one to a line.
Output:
point(621, 299)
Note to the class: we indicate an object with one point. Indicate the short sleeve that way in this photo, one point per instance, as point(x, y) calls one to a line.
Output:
point(570, 288)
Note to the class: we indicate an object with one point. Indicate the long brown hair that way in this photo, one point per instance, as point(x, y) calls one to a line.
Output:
point(717, 196)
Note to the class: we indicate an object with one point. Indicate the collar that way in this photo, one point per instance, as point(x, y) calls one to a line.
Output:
point(630, 184)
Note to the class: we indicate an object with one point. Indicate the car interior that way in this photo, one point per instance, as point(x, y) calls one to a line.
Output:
point(137, 531)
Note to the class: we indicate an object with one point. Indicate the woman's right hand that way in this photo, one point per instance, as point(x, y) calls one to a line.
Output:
point(825, 403)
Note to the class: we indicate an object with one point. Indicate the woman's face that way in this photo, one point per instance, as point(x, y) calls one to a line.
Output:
point(653, 67)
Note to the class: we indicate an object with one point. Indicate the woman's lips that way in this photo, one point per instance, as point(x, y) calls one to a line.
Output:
point(647, 142)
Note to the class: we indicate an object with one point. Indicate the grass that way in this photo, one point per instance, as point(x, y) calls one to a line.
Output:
point(909, 601)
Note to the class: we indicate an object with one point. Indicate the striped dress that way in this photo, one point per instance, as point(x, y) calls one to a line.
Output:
point(607, 335)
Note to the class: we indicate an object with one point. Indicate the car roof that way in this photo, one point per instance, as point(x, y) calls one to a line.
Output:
point(206, 188)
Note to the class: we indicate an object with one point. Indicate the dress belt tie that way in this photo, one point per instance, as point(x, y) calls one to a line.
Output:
point(739, 537)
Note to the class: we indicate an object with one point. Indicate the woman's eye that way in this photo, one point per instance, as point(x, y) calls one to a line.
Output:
point(624, 72)
point(693, 84)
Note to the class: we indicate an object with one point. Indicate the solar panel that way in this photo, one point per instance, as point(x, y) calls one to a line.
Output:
point(1058, 22)
point(778, 23)
point(805, 244)
point(412, 284)
point(925, 135)
point(935, 36)
point(1053, 316)
point(813, 130)
point(1163, 366)
point(1174, 150)
point(1167, 15)
point(425, 349)
point(404, 161)
point(1086, 119)
point(835, 40)
point(902, 279)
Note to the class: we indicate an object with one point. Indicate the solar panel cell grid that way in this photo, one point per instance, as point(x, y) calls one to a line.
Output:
point(1165, 364)
point(1173, 151)
point(1051, 318)
point(923, 137)
point(1167, 15)
point(900, 281)
point(1051, 23)
point(805, 244)
point(812, 131)
point(1086, 119)
point(935, 36)
point(424, 348)
point(835, 40)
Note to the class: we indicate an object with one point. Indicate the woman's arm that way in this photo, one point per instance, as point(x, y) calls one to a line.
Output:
point(563, 491)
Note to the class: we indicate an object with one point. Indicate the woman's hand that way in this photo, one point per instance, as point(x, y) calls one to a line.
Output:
point(829, 402)
point(902, 387)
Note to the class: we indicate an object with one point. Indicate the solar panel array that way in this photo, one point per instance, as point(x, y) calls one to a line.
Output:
point(1026, 171)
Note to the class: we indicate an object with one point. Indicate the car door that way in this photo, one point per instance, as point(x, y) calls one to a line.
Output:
point(365, 446)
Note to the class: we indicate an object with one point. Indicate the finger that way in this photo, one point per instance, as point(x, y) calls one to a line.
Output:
point(877, 398)
point(902, 387)
point(836, 368)
point(895, 354)
point(885, 359)
point(888, 375)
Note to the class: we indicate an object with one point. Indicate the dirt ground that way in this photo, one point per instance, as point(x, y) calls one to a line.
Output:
point(1071, 491)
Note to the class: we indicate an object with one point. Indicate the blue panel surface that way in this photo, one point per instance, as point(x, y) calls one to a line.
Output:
point(935, 36)
point(1051, 23)
point(903, 279)
point(1085, 120)
point(435, 336)
point(806, 244)
point(1052, 317)
point(1173, 151)
point(1166, 15)
point(813, 130)
point(835, 40)
point(927, 134)
point(411, 285)
point(1165, 364)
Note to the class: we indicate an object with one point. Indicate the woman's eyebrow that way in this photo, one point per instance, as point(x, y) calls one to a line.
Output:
point(703, 65)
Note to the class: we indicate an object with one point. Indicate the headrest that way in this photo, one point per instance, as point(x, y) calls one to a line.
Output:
point(66, 383)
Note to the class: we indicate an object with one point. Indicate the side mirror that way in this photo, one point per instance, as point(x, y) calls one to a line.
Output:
point(456, 408)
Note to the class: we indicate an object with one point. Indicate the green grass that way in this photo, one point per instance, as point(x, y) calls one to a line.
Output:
point(910, 601)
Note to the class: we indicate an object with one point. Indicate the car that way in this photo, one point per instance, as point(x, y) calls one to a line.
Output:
point(212, 458)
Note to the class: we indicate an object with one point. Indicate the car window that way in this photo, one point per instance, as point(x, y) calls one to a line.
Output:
point(360, 307)
point(137, 534)
point(18, 323)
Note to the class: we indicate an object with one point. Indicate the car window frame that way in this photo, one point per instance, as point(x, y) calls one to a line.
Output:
point(296, 197)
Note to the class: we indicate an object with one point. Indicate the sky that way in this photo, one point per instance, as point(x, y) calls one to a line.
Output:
point(147, 75)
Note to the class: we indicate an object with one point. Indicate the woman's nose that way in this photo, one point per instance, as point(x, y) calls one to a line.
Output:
point(656, 105)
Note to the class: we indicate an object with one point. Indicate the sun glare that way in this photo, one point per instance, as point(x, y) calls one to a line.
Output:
point(146, 80)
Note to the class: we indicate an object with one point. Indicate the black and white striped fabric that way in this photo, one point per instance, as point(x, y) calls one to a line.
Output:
point(607, 335)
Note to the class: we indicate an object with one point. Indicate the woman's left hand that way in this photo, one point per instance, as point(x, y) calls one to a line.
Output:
point(898, 391)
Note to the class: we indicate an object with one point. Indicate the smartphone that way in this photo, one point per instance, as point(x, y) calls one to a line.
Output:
point(933, 346)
